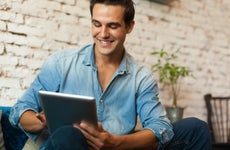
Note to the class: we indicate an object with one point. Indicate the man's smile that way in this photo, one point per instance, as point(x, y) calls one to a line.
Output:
point(105, 42)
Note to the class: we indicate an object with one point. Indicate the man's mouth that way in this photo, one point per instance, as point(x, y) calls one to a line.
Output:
point(105, 42)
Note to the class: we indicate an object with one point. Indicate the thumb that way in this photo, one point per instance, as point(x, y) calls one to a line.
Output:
point(100, 128)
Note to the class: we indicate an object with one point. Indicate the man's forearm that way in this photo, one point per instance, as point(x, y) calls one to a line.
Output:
point(30, 122)
point(141, 140)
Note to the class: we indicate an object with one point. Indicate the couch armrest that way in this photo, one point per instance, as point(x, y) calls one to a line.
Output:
point(14, 138)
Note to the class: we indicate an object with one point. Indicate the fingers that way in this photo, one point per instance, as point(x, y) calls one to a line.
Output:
point(42, 119)
point(92, 145)
point(97, 139)
point(91, 134)
point(88, 128)
point(100, 128)
point(88, 131)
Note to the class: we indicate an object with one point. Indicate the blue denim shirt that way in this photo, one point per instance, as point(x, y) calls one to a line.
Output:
point(131, 92)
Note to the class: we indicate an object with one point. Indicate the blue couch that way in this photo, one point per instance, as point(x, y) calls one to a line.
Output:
point(14, 138)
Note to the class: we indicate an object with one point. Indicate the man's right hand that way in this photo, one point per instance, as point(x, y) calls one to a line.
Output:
point(33, 122)
point(42, 118)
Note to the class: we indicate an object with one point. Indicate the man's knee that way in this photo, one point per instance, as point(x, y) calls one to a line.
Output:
point(67, 137)
point(192, 122)
point(193, 132)
point(196, 124)
point(191, 125)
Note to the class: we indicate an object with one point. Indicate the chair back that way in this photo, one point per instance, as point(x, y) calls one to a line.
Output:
point(218, 117)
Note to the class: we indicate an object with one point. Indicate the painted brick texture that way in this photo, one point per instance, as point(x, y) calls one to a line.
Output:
point(31, 30)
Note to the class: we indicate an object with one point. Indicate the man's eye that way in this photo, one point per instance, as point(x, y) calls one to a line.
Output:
point(96, 24)
point(113, 26)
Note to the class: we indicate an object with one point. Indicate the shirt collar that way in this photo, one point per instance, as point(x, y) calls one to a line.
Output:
point(89, 60)
point(89, 57)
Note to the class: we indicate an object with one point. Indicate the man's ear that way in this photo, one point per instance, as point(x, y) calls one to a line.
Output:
point(130, 27)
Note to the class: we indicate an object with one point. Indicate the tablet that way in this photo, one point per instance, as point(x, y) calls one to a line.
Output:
point(65, 109)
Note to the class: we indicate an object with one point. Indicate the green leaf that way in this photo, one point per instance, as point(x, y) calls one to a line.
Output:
point(169, 73)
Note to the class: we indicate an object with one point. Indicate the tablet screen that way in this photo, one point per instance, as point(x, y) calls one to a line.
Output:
point(65, 109)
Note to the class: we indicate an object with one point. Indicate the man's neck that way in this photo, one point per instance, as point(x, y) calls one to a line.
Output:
point(105, 60)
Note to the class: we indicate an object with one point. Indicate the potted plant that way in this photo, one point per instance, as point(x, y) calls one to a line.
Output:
point(163, 1)
point(170, 75)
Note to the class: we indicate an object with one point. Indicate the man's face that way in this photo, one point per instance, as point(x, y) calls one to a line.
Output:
point(109, 29)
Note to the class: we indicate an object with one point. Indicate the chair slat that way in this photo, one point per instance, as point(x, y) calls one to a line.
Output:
point(218, 117)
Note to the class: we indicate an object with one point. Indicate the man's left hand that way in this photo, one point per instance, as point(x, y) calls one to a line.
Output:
point(97, 139)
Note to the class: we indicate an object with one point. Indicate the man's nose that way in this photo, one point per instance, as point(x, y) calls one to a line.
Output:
point(104, 32)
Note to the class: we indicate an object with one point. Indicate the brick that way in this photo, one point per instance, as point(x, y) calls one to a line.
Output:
point(7, 16)
point(9, 99)
point(25, 83)
point(63, 18)
point(82, 4)
point(9, 83)
point(42, 24)
point(4, 5)
point(20, 72)
point(6, 101)
point(2, 26)
point(85, 22)
point(68, 28)
point(84, 32)
point(25, 30)
point(4, 60)
point(61, 37)
point(30, 63)
point(54, 45)
point(22, 40)
point(32, 11)
point(42, 4)
point(75, 10)
point(69, 2)
point(2, 48)
point(19, 18)
point(19, 51)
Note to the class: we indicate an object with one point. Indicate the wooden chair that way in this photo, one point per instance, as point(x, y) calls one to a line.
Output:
point(218, 117)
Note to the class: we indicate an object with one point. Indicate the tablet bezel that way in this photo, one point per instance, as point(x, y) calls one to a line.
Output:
point(65, 109)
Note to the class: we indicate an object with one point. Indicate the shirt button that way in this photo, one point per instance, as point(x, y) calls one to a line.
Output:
point(101, 100)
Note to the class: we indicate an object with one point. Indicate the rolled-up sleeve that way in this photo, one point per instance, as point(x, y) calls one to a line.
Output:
point(150, 110)
point(47, 79)
point(19, 108)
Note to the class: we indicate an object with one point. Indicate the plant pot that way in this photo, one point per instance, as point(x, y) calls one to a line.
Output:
point(163, 1)
point(174, 113)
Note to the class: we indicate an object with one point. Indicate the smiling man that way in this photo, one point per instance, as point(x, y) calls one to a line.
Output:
point(122, 88)
point(109, 31)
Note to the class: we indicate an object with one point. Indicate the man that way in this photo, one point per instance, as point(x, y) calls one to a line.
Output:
point(122, 89)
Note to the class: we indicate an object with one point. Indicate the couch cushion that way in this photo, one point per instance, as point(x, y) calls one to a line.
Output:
point(14, 138)
point(2, 147)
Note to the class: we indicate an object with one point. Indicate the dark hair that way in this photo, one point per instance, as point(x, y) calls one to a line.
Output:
point(127, 4)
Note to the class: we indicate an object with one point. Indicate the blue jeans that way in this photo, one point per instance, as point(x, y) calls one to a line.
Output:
point(190, 134)
point(67, 138)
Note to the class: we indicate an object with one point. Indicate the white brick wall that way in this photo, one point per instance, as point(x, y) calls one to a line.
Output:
point(31, 30)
